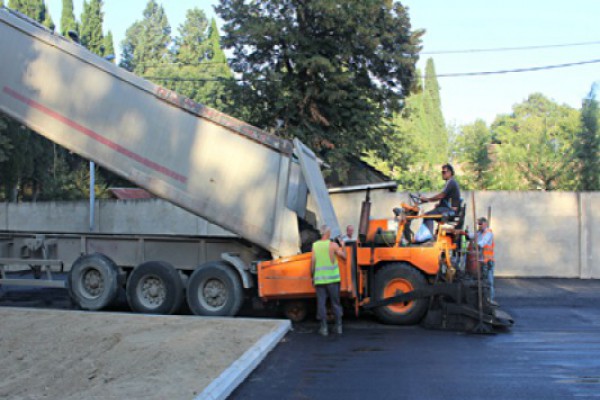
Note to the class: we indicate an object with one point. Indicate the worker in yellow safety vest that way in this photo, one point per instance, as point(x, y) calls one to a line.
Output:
point(325, 273)
point(485, 241)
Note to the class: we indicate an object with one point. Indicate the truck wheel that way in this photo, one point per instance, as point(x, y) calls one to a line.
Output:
point(393, 280)
point(214, 289)
point(295, 310)
point(154, 287)
point(93, 281)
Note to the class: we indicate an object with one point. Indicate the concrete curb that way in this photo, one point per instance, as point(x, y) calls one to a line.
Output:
point(233, 376)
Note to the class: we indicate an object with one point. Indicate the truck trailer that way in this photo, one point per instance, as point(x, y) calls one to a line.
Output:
point(235, 176)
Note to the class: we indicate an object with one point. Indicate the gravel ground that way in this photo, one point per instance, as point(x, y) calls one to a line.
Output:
point(55, 354)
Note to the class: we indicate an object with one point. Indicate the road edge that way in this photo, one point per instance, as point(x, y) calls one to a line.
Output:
point(239, 370)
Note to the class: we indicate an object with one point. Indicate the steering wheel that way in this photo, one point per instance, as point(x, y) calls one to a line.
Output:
point(415, 198)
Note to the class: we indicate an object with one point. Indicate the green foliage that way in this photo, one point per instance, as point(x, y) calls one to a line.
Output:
point(536, 146)
point(325, 71)
point(109, 48)
point(5, 145)
point(72, 182)
point(90, 34)
point(473, 143)
point(418, 141)
point(405, 158)
point(146, 42)
point(587, 148)
point(67, 18)
point(200, 67)
point(34, 9)
point(432, 123)
point(192, 64)
point(32, 167)
point(25, 152)
point(191, 45)
point(48, 22)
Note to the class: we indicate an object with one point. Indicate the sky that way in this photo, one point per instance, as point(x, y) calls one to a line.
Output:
point(462, 25)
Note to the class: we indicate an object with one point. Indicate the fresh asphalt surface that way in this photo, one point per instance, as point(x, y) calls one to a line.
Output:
point(553, 352)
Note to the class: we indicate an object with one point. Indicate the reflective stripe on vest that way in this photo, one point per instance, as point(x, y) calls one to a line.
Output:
point(488, 249)
point(325, 272)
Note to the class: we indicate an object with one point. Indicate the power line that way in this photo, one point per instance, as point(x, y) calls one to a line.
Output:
point(448, 75)
point(500, 49)
point(183, 64)
point(507, 71)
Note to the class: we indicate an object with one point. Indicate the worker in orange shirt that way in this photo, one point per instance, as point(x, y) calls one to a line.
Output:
point(485, 242)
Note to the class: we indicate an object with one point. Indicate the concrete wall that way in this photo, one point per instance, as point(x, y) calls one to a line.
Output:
point(537, 234)
point(150, 217)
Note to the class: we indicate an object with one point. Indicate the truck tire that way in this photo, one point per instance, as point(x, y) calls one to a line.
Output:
point(93, 281)
point(396, 279)
point(214, 289)
point(295, 310)
point(154, 287)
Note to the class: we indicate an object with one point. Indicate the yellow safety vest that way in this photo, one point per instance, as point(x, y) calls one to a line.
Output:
point(325, 271)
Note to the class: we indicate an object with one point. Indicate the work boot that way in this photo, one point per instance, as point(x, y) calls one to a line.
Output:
point(323, 331)
point(338, 327)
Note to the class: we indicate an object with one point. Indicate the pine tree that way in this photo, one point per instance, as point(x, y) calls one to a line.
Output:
point(91, 35)
point(191, 44)
point(146, 43)
point(202, 69)
point(327, 72)
point(588, 144)
point(67, 18)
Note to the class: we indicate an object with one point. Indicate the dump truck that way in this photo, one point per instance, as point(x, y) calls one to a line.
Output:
point(252, 184)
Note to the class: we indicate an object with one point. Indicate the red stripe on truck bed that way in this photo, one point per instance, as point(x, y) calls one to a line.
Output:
point(96, 136)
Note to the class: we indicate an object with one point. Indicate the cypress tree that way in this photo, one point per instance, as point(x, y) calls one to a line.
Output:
point(17, 5)
point(436, 134)
point(92, 19)
point(109, 48)
point(34, 9)
point(67, 18)
point(215, 53)
point(48, 22)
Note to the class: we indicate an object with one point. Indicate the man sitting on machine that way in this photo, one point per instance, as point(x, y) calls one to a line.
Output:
point(449, 199)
